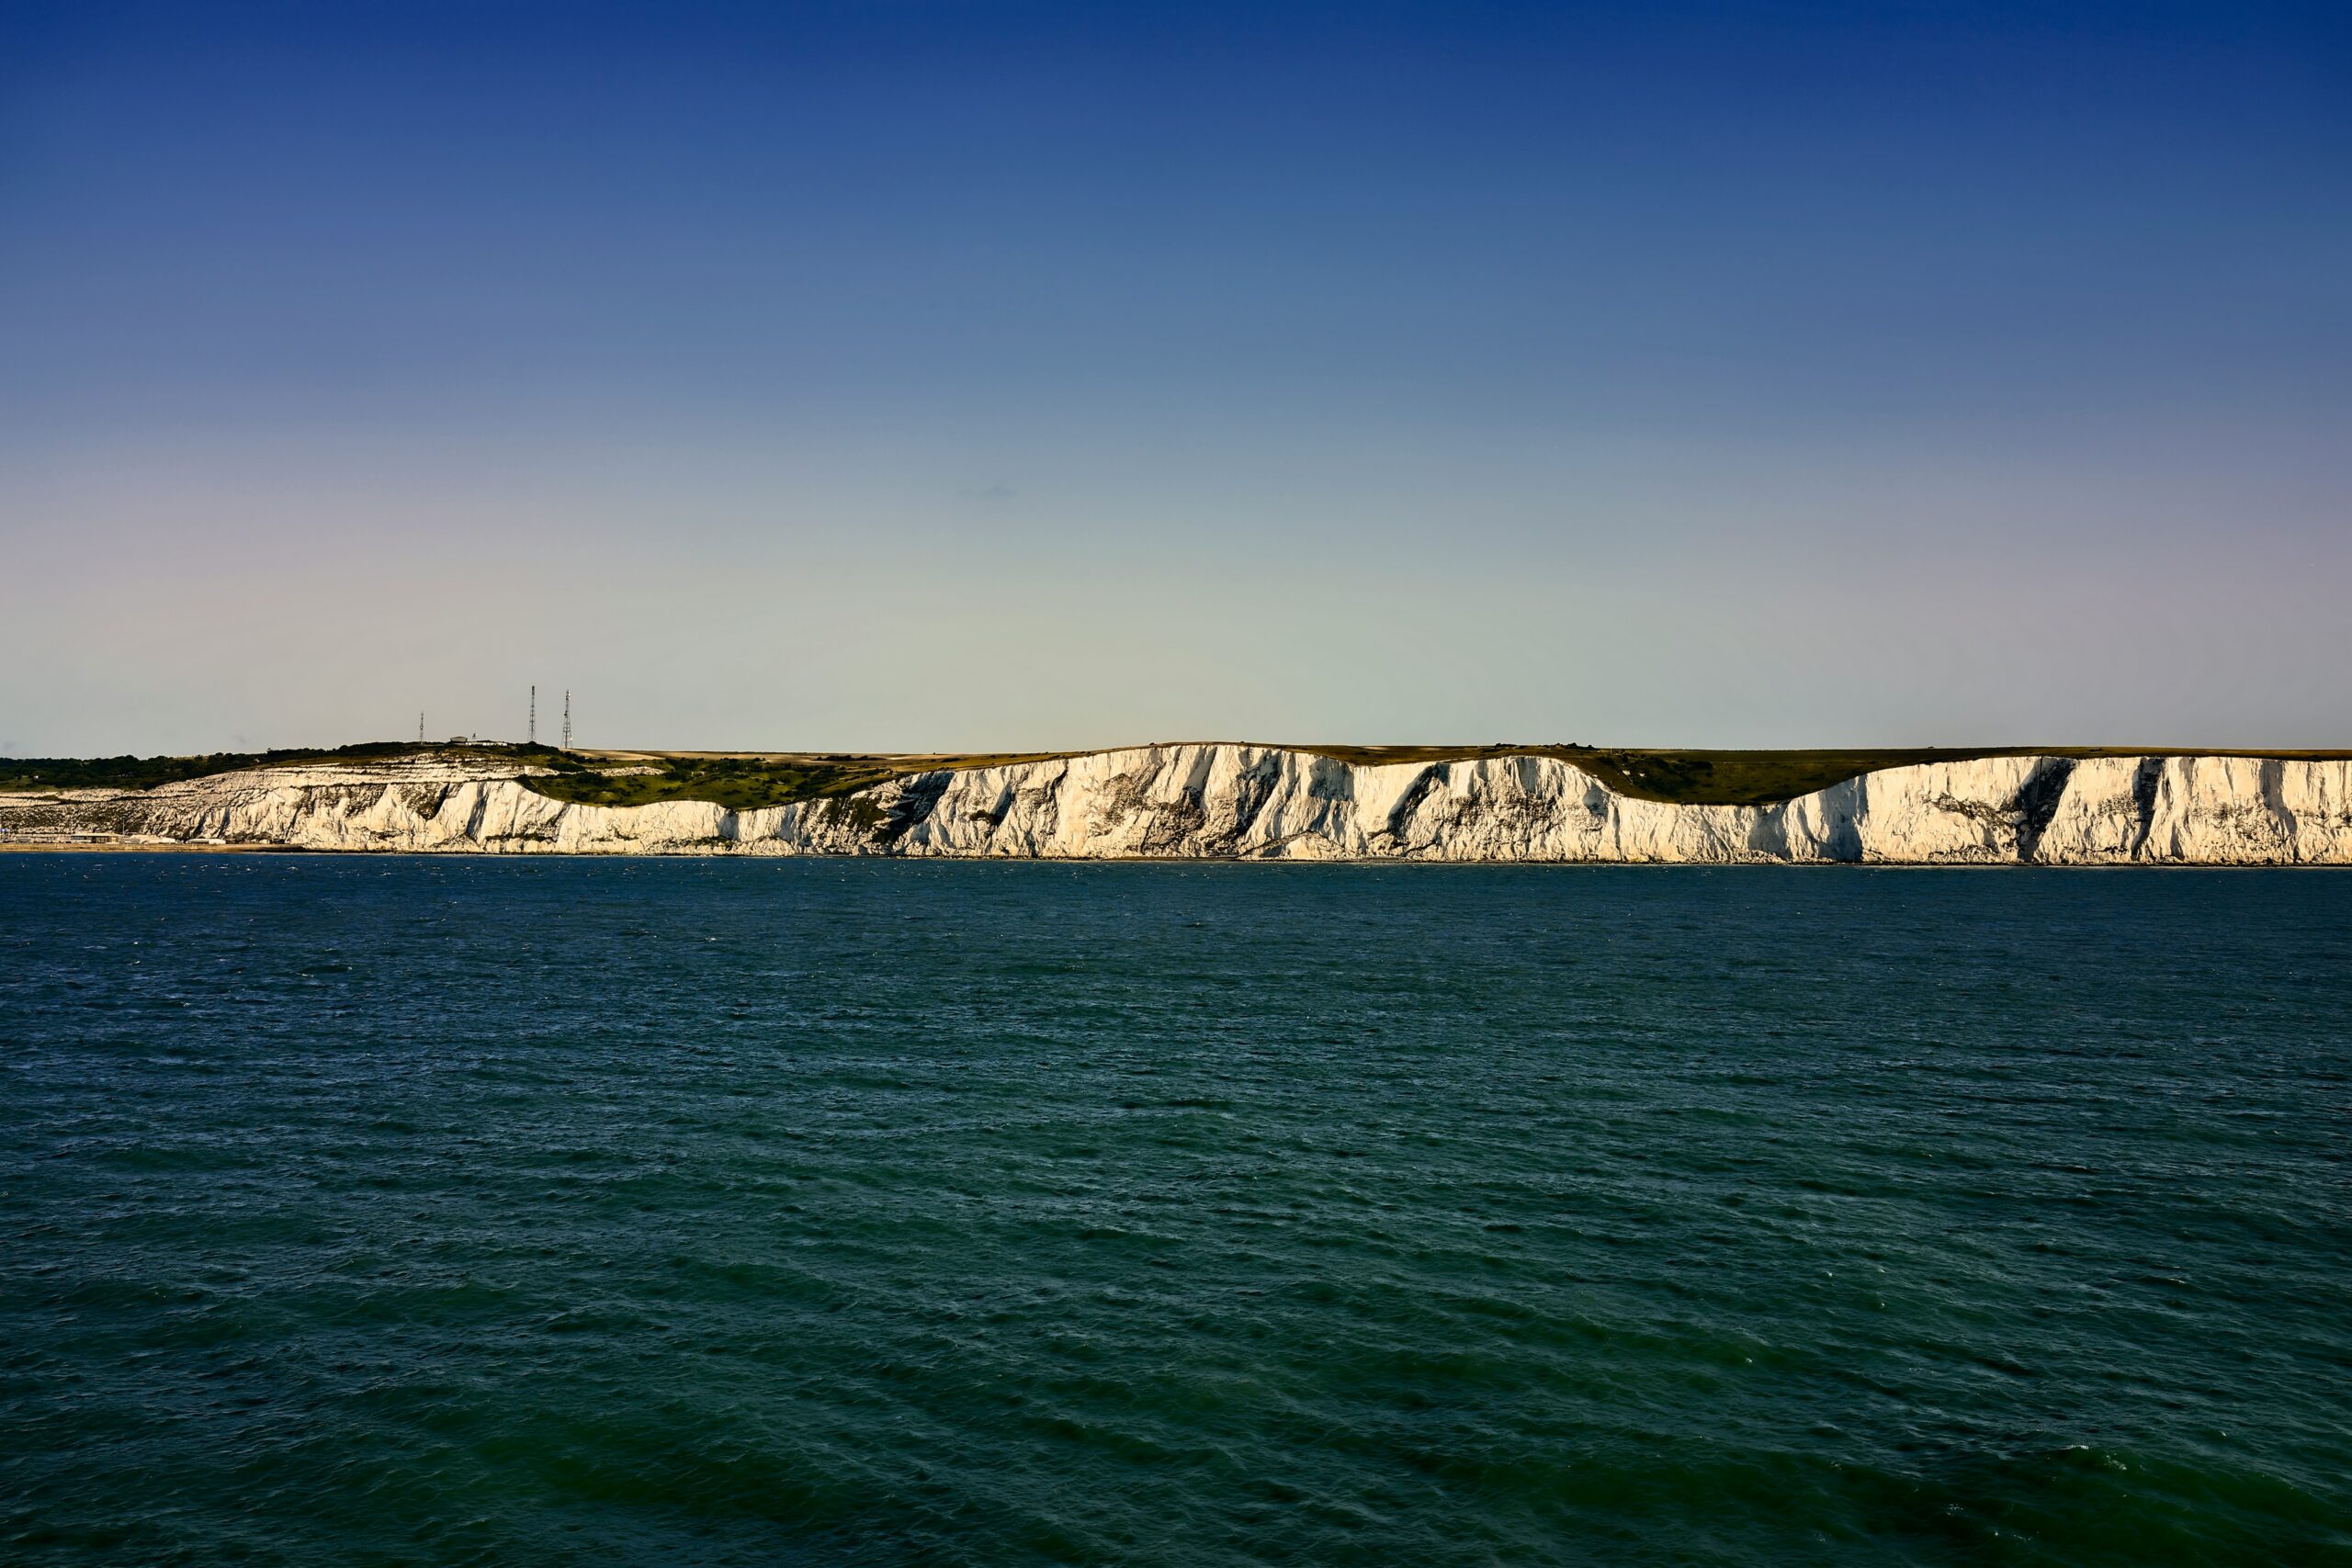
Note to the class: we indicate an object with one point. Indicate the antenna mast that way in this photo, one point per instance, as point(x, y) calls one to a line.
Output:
point(534, 733)
point(567, 719)
point(420, 726)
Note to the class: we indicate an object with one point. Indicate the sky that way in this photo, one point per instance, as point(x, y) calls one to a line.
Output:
point(948, 376)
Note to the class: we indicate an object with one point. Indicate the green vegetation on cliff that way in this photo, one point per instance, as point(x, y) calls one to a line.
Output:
point(1754, 778)
point(749, 781)
point(1706, 778)
point(146, 773)
point(739, 783)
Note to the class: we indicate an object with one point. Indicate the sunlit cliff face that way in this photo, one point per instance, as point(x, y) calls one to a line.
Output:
point(1253, 803)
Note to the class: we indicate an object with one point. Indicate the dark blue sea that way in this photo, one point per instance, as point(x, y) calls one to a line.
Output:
point(368, 1210)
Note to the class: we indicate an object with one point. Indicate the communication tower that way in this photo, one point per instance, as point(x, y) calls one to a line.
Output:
point(567, 720)
point(532, 736)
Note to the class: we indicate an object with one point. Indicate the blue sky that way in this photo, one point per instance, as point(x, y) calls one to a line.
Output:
point(912, 376)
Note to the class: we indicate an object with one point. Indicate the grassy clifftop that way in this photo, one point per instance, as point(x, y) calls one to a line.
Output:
point(145, 772)
point(1701, 778)
point(1685, 777)
point(1678, 776)
point(748, 780)
point(739, 781)
point(744, 782)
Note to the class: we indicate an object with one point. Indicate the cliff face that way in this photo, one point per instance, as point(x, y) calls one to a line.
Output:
point(1262, 802)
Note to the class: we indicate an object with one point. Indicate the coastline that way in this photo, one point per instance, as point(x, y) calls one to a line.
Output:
point(1194, 803)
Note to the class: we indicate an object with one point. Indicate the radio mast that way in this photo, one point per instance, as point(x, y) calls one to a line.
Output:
point(420, 726)
point(567, 719)
point(533, 737)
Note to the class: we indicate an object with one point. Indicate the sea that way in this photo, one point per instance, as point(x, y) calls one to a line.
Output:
point(375, 1209)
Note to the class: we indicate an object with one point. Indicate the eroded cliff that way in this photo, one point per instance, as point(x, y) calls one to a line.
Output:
point(1217, 801)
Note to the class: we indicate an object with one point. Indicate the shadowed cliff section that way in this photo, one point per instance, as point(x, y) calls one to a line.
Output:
point(2038, 802)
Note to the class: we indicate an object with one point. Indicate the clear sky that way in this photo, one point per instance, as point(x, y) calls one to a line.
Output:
point(909, 376)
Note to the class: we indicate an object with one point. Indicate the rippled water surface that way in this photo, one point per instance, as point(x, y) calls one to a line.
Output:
point(376, 1210)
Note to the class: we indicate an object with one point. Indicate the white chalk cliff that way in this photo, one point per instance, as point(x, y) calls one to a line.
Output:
point(1234, 802)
